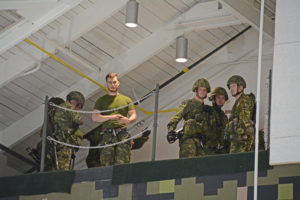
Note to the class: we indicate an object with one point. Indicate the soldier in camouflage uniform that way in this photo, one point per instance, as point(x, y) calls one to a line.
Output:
point(114, 123)
point(215, 142)
point(197, 122)
point(240, 128)
point(66, 129)
point(49, 157)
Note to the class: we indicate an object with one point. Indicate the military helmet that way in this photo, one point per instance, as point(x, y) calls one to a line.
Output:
point(218, 91)
point(236, 79)
point(202, 82)
point(51, 108)
point(78, 96)
point(56, 100)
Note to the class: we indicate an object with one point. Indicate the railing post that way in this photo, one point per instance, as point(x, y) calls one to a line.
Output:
point(43, 153)
point(155, 122)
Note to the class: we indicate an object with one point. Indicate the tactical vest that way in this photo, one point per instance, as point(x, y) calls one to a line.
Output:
point(196, 116)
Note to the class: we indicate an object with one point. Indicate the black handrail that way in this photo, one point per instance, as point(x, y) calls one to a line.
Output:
point(19, 156)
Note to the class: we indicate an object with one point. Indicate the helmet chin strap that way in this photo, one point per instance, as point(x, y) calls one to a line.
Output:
point(215, 104)
point(236, 94)
point(202, 98)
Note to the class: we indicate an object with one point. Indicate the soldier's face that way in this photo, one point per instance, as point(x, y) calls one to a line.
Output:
point(76, 105)
point(233, 89)
point(202, 92)
point(112, 84)
point(220, 100)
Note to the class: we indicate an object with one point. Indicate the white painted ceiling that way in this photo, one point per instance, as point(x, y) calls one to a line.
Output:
point(90, 36)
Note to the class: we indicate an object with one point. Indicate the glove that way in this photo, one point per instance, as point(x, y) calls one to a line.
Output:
point(146, 133)
point(171, 137)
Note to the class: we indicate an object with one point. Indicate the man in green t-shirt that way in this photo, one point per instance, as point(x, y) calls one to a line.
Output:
point(114, 122)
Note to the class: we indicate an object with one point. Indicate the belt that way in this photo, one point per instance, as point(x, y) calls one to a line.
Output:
point(114, 131)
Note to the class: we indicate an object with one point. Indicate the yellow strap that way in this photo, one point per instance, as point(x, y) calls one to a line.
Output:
point(64, 63)
point(186, 69)
point(88, 78)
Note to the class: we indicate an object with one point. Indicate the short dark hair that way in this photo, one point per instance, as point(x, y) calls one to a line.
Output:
point(111, 75)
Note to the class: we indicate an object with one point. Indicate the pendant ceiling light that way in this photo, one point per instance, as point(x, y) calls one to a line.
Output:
point(181, 49)
point(132, 13)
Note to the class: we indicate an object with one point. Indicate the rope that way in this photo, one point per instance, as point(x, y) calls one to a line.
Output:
point(102, 111)
point(94, 147)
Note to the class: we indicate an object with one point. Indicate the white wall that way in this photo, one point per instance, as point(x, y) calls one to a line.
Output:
point(285, 115)
point(239, 57)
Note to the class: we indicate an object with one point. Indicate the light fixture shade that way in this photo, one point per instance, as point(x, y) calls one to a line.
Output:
point(132, 13)
point(181, 49)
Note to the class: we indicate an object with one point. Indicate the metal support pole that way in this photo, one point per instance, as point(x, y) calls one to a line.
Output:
point(155, 122)
point(42, 167)
point(262, 3)
point(269, 118)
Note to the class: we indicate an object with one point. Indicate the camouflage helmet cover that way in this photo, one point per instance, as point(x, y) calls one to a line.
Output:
point(56, 100)
point(78, 96)
point(202, 82)
point(236, 79)
point(218, 91)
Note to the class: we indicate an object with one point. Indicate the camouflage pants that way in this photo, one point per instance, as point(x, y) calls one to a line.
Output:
point(190, 147)
point(119, 154)
point(92, 160)
point(64, 157)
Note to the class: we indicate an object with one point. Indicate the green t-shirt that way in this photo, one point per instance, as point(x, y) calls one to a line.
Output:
point(108, 102)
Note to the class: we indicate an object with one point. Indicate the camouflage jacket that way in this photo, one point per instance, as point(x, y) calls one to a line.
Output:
point(217, 135)
point(196, 115)
point(66, 125)
point(243, 111)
